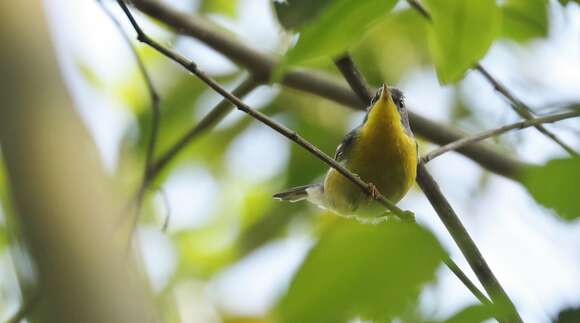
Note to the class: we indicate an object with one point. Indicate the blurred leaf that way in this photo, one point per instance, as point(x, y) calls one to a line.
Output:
point(355, 270)
point(337, 28)
point(204, 251)
point(226, 7)
point(569, 315)
point(555, 185)
point(90, 76)
point(524, 19)
point(472, 314)
point(565, 2)
point(461, 34)
point(292, 14)
point(394, 46)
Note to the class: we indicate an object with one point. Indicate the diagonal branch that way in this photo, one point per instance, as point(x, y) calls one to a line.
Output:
point(281, 129)
point(521, 108)
point(261, 66)
point(451, 222)
point(496, 132)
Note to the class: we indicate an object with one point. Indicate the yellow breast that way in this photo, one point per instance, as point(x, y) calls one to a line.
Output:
point(383, 154)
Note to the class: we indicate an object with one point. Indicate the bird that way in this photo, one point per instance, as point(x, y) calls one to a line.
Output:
point(382, 151)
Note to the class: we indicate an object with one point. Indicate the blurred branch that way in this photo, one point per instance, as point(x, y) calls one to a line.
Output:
point(60, 194)
point(207, 123)
point(28, 303)
point(261, 66)
point(281, 129)
point(155, 116)
point(521, 108)
point(153, 94)
point(496, 132)
point(451, 222)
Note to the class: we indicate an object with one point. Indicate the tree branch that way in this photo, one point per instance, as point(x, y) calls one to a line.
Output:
point(153, 94)
point(192, 67)
point(496, 132)
point(261, 66)
point(452, 223)
point(522, 109)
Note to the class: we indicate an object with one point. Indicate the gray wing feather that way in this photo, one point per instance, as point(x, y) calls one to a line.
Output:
point(345, 147)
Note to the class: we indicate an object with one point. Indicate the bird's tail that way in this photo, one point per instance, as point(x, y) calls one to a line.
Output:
point(299, 193)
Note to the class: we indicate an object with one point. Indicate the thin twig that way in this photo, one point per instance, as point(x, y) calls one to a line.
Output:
point(192, 67)
point(455, 228)
point(25, 308)
point(521, 108)
point(496, 132)
point(466, 281)
point(261, 66)
point(155, 116)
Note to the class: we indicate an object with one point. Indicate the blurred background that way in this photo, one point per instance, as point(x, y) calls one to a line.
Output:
point(217, 248)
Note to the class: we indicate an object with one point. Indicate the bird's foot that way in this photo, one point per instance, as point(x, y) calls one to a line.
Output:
point(374, 191)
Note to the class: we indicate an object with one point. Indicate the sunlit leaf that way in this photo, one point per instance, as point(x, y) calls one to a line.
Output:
point(472, 314)
point(394, 46)
point(524, 19)
point(293, 14)
point(461, 34)
point(356, 270)
point(555, 185)
point(226, 7)
point(337, 28)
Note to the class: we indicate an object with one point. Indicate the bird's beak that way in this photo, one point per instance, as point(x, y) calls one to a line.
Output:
point(385, 93)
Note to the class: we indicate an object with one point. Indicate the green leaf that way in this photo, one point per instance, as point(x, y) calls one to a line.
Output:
point(472, 314)
point(569, 315)
point(292, 14)
point(461, 34)
point(525, 19)
point(357, 270)
point(226, 7)
point(565, 2)
point(338, 27)
point(555, 185)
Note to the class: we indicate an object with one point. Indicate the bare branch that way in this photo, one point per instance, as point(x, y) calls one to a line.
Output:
point(454, 227)
point(155, 117)
point(153, 94)
point(522, 109)
point(192, 67)
point(261, 66)
point(496, 132)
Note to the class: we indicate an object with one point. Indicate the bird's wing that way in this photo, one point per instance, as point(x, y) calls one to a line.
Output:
point(343, 150)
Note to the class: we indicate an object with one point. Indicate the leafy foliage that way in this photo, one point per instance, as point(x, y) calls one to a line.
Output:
point(461, 34)
point(293, 14)
point(472, 314)
point(569, 315)
point(336, 29)
point(523, 20)
point(226, 7)
point(555, 185)
point(361, 270)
